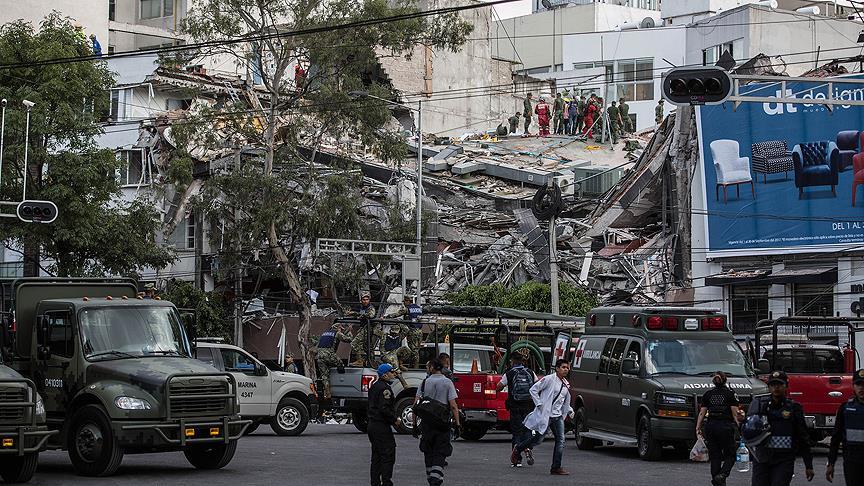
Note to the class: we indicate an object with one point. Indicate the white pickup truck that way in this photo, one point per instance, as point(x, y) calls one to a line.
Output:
point(284, 400)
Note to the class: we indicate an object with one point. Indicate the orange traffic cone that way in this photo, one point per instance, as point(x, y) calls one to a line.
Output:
point(474, 369)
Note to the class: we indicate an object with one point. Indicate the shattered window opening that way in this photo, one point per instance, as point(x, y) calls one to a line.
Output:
point(133, 172)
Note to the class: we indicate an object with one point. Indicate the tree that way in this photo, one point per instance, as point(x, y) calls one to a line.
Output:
point(96, 233)
point(210, 310)
point(530, 296)
point(281, 211)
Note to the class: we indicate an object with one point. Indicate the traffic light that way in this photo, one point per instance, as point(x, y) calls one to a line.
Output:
point(697, 86)
point(32, 211)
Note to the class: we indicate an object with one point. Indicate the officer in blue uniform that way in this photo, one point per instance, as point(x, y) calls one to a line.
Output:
point(789, 435)
point(849, 430)
point(382, 417)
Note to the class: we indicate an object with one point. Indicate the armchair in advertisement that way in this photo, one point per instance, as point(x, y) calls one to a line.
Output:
point(816, 164)
point(847, 144)
point(771, 157)
point(731, 168)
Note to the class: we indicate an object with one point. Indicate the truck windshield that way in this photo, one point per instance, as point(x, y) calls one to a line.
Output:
point(695, 357)
point(127, 332)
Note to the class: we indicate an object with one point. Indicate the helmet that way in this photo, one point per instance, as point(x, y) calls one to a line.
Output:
point(755, 431)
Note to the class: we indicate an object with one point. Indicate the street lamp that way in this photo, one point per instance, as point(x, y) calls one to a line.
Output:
point(419, 235)
point(29, 105)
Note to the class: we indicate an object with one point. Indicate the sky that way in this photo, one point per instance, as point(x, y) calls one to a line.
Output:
point(515, 9)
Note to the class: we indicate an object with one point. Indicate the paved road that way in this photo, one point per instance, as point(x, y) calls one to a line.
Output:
point(338, 455)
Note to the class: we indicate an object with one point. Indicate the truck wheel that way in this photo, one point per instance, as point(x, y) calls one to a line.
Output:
point(291, 417)
point(649, 448)
point(403, 411)
point(19, 469)
point(93, 449)
point(360, 421)
point(210, 456)
point(473, 432)
point(583, 443)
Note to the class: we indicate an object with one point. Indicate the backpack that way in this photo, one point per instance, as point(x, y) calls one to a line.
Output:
point(519, 383)
point(432, 411)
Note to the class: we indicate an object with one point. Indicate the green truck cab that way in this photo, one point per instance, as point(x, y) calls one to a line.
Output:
point(23, 433)
point(117, 375)
point(639, 373)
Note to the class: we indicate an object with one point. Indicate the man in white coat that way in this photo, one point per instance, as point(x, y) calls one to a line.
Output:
point(551, 395)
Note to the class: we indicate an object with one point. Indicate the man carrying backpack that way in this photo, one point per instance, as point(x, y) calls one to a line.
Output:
point(518, 381)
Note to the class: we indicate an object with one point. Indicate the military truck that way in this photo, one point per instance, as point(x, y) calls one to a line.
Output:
point(117, 375)
point(638, 375)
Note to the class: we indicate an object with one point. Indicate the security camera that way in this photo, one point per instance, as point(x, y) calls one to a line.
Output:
point(29, 104)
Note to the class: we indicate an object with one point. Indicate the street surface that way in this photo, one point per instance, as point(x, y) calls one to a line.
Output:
point(338, 455)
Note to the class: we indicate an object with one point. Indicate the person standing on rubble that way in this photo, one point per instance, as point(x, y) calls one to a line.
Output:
point(614, 122)
point(358, 344)
point(527, 110)
point(658, 113)
point(590, 113)
point(542, 111)
point(558, 109)
point(624, 109)
point(572, 115)
point(514, 122)
point(580, 116)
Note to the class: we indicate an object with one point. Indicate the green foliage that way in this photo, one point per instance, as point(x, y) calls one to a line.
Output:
point(212, 313)
point(530, 296)
point(95, 233)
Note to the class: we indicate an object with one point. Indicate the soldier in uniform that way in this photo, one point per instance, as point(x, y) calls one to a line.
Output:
point(624, 109)
point(849, 430)
point(614, 122)
point(328, 345)
point(658, 113)
point(514, 122)
point(558, 110)
point(358, 344)
point(410, 311)
point(391, 345)
point(382, 416)
point(527, 109)
point(789, 435)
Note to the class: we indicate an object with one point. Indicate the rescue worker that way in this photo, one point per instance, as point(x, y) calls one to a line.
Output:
point(580, 116)
point(624, 109)
point(614, 121)
point(409, 311)
point(590, 112)
point(719, 413)
point(558, 110)
point(514, 122)
point(849, 430)
point(327, 357)
point(358, 344)
point(527, 110)
point(382, 417)
point(658, 113)
point(391, 345)
point(789, 435)
point(543, 114)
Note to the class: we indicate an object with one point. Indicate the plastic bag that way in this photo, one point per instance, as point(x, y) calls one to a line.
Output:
point(699, 452)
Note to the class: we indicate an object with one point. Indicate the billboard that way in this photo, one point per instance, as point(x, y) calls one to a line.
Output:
point(781, 177)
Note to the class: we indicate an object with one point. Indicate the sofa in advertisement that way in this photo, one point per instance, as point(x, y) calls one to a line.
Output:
point(784, 177)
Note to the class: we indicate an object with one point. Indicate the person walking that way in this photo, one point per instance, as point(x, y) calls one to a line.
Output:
point(558, 110)
point(719, 415)
point(551, 396)
point(789, 435)
point(518, 381)
point(849, 431)
point(543, 113)
point(435, 437)
point(382, 417)
point(527, 110)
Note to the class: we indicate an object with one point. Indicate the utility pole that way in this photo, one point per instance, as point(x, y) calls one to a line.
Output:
point(419, 299)
point(238, 289)
point(553, 261)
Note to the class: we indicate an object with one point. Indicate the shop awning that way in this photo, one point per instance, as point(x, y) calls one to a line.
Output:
point(737, 277)
point(817, 275)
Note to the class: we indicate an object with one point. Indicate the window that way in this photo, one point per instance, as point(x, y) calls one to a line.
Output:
point(815, 300)
point(634, 352)
point(205, 355)
point(152, 9)
point(606, 355)
point(818, 360)
point(60, 335)
point(617, 356)
point(115, 105)
point(463, 360)
point(132, 170)
point(749, 305)
point(237, 362)
point(183, 237)
point(711, 55)
point(112, 9)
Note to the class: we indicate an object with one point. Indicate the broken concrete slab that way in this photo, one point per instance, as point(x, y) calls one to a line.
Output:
point(467, 167)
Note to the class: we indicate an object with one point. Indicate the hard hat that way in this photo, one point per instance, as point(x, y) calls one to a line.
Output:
point(755, 431)
point(384, 368)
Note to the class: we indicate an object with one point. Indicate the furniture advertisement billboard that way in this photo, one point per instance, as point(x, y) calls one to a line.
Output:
point(783, 177)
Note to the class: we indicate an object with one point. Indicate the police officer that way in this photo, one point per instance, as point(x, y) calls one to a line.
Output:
point(718, 413)
point(382, 416)
point(327, 357)
point(789, 435)
point(849, 430)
